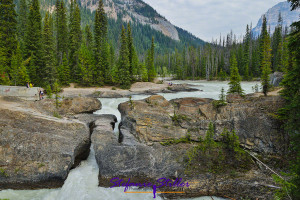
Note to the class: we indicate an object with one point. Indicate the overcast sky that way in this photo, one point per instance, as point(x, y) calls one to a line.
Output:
point(208, 18)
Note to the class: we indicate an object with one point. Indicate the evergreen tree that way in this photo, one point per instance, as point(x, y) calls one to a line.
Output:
point(19, 74)
point(74, 40)
point(48, 71)
point(178, 66)
point(262, 39)
point(151, 68)
point(123, 69)
point(222, 96)
point(209, 138)
point(277, 46)
point(22, 22)
point(246, 54)
point(235, 79)
point(291, 93)
point(144, 72)
point(266, 63)
point(86, 65)
point(101, 46)
point(133, 58)
point(61, 31)
point(64, 71)
point(8, 39)
point(88, 37)
point(33, 43)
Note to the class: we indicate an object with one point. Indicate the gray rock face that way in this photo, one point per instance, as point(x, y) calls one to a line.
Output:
point(288, 17)
point(153, 120)
point(38, 151)
point(276, 78)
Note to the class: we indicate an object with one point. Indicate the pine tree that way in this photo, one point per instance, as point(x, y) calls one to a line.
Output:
point(22, 22)
point(19, 75)
point(209, 138)
point(48, 70)
point(246, 54)
point(262, 38)
point(144, 72)
point(178, 66)
point(88, 37)
point(266, 63)
point(101, 46)
point(8, 24)
point(291, 93)
point(235, 79)
point(64, 71)
point(133, 58)
point(222, 96)
point(151, 68)
point(61, 31)
point(277, 46)
point(123, 69)
point(86, 65)
point(33, 43)
point(74, 40)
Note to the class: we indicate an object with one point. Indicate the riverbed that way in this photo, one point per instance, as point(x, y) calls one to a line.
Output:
point(82, 182)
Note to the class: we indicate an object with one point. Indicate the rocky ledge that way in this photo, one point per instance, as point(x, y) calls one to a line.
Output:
point(157, 138)
point(37, 150)
point(68, 106)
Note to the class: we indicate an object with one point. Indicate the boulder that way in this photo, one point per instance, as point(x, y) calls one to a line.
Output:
point(38, 151)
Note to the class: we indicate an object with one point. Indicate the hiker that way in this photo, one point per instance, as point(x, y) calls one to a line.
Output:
point(41, 94)
point(31, 85)
point(27, 84)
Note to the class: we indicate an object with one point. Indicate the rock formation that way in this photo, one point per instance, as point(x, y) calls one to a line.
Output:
point(38, 150)
point(138, 152)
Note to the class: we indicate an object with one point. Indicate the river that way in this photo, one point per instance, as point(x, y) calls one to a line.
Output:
point(82, 182)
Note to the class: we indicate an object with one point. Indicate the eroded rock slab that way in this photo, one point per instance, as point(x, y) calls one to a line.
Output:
point(37, 151)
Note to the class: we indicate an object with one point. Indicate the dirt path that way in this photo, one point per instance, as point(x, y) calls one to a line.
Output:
point(273, 93)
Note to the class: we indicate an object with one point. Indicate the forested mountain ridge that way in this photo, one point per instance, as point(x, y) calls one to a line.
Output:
point(283, 8)
point(145, 21)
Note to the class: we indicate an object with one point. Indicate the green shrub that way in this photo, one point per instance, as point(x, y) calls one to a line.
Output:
point(218, 157)
point(3, 172)
point(57, 115)
point(186, 139)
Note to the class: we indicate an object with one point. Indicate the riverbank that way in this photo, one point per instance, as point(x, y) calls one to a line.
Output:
point(137, 88)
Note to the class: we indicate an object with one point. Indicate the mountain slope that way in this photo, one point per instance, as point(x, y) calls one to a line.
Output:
point(272, 17)
point(145, 21)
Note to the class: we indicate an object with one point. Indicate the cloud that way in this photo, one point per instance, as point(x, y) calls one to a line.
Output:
point(208, 19)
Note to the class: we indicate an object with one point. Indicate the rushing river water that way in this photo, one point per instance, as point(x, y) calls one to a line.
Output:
point(82, 182)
